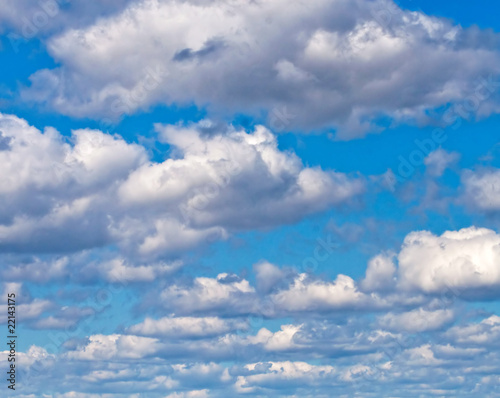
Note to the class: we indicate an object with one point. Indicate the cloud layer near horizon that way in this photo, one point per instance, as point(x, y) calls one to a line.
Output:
point(372, 336)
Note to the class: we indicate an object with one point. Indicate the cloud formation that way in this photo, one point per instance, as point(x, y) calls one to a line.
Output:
point(94, 189)
point(342, 64)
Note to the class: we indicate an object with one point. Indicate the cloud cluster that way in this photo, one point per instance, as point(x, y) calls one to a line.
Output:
point(93, 189)
point(343, 64)
point(223, 336)
point(262, 365)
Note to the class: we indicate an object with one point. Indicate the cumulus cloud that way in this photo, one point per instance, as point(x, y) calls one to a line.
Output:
point(305, 294)
point(282, 340)
point(341, 63)
point(463, 263)
point(380, 273)
point(97, 189)
point(260, 365)
point(52, 192)
point(231, 295)
point(115, 346)
point(275, 375)
point(226, 292)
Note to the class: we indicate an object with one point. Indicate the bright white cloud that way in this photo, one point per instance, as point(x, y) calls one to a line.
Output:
point(460, 262)
point(282, 340)
point(308, 295)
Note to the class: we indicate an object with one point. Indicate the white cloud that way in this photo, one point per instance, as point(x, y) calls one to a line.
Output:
point(33, 309)
point(38, 270)
point(226, 292)
point(268, 275)
point(341, 63)
point(279, 374)
point(421, 356)
point(281, 340)
point(439, 160)
point(99, 190)
point(117, 270)
point(105, 347)
point(460, 262)
point(482, 189)
point(53, 192)
point(484, 333)
point(416, 321)
point(311, 295)
point(380, 273)
point(185, 327)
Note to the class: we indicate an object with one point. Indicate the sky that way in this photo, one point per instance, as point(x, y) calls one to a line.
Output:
point(251, 198)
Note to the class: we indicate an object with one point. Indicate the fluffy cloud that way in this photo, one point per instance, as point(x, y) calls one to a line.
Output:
point(231, 295)
point(226, 292)
point(312, 295)
point(53, 192)
point(379, 273)
point(322, 63)
point(463, 263)
point(115, 346)
point(97, 189)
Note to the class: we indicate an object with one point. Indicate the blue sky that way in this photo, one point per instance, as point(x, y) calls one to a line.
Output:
point(263, 199)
